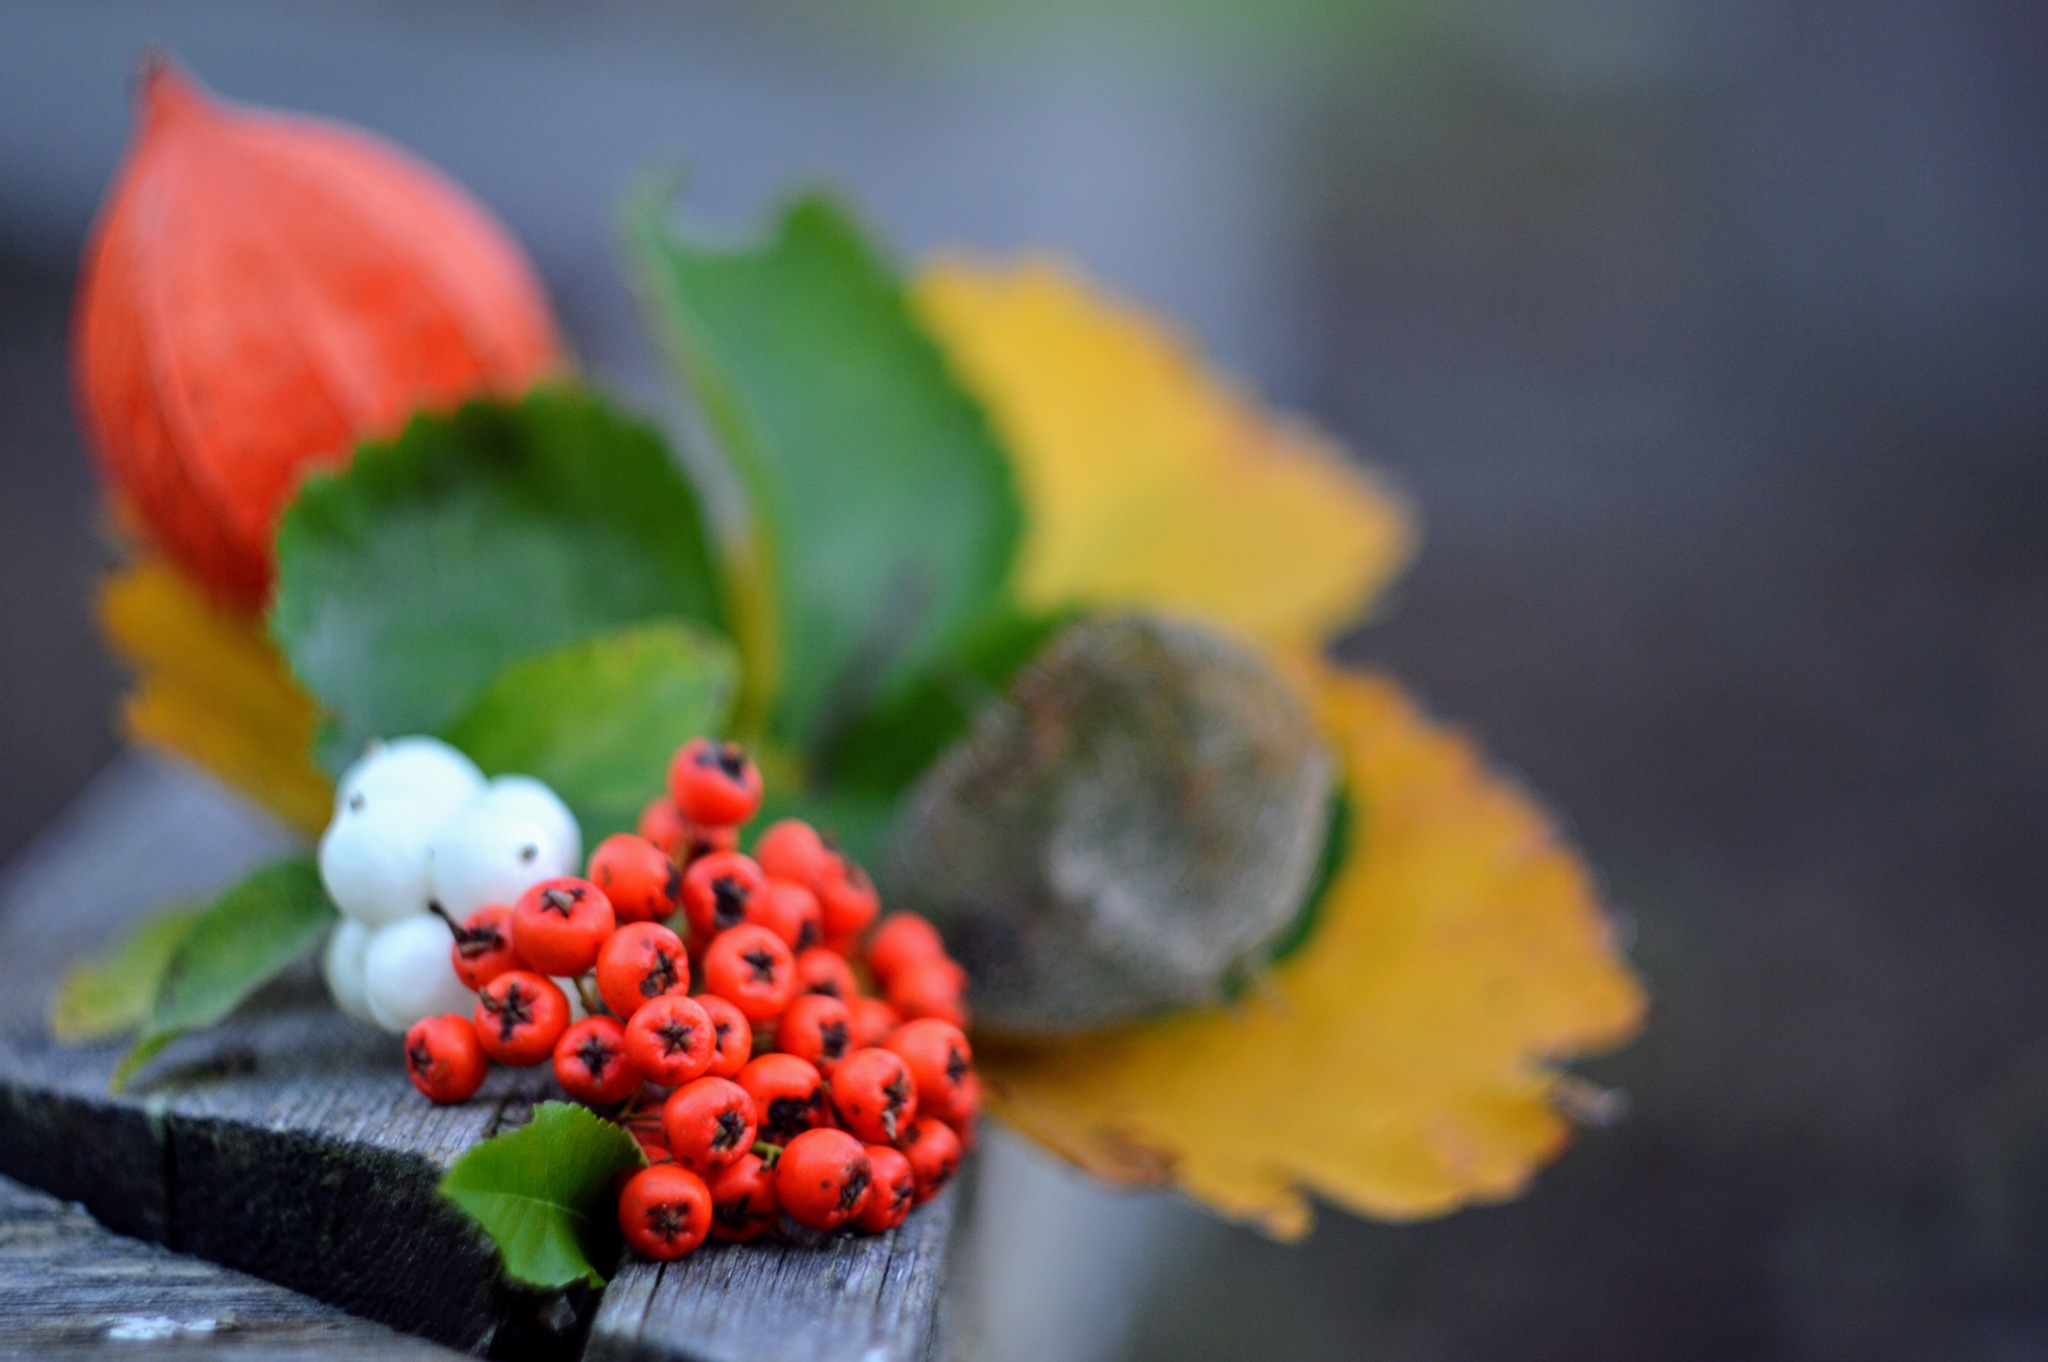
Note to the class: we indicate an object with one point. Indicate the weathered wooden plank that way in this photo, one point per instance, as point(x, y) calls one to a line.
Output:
point(71, 1288)
point(857, 1298)
point(288, 1143)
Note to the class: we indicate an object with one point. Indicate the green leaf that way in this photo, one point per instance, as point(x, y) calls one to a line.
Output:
point(247, 937)
point(892, 744)
point(411, 579)
point(113, 993)
point(599, 719)
point(544, 1193)
point(883, 515)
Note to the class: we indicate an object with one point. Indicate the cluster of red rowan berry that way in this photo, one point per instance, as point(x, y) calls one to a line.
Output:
point(777, 1086)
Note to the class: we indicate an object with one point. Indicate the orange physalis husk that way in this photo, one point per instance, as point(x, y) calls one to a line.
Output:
point(260, 294)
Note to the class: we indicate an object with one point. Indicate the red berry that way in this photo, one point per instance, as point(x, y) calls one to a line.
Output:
point(732, 1043)
point(483, 946)
point(940, 1061)
point(637, 876)
point(902, 940)
point(558, 925)
point(719, 891)
point(895, 1191)
point(743, 1202)
point(848, 899)
point(965, 1112)
point(790, 911)
point(934, 1153)
point(708, 1123)
point(822, 1178)
point(789, 1096)
point(818, 1029)
point(641, 960)
point(444, 1059)
point(591, 1064)
point(665, 1211)
point(651, 1144)
point(874, 1094)
point(873, 1020)
point(750, 968)
point(714, 782)
point(930, 988)
point(519, 1017)
point(663, 824)
point(821, 971)
point(669, 1040)
point(792, 850)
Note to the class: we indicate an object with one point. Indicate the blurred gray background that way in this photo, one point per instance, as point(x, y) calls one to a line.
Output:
point(1712, 338)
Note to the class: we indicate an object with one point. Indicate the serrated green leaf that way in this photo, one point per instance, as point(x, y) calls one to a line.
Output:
point(599, 719)
point(883, 514)
point(112, 993)
point(244, 939)
point(411, 579)
point(545, 1194)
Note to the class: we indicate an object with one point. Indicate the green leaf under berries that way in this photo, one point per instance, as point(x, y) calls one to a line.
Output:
point(597, 720)
point(412, 578)
point(244, 939)
point(546, 1193)
point(883, 516)
point(113, 993)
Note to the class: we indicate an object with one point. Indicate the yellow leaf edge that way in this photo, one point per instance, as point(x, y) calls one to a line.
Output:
point(1402, 1063)
point(212, 688)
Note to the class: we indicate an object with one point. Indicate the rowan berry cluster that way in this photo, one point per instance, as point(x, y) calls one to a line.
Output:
point(723, 1016)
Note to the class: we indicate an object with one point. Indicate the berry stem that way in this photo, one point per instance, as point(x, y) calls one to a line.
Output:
point(768, 1152)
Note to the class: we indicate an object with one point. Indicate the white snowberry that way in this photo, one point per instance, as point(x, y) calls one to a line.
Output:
point(342, 965)
point(489, 855)
point(530, 798)
point(424, 772)
point(409, 974)
point(374, 861)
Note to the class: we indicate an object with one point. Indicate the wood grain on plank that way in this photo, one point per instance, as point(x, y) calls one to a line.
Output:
point(71, 1288)
point(826, 1299)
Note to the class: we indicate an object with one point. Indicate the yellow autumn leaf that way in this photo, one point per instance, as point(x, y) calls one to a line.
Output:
point(212, 688)
point(1148, 481)
point(1400, 1064)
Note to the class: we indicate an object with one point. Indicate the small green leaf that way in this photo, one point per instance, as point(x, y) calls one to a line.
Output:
point(249, 936)
point(411, 579)
point(883, 515)
point(544, 1193)
point(598, 720)
point(112, 993)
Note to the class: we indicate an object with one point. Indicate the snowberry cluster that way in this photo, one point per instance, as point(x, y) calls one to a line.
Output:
point(723, 1018)
point(419, 835)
